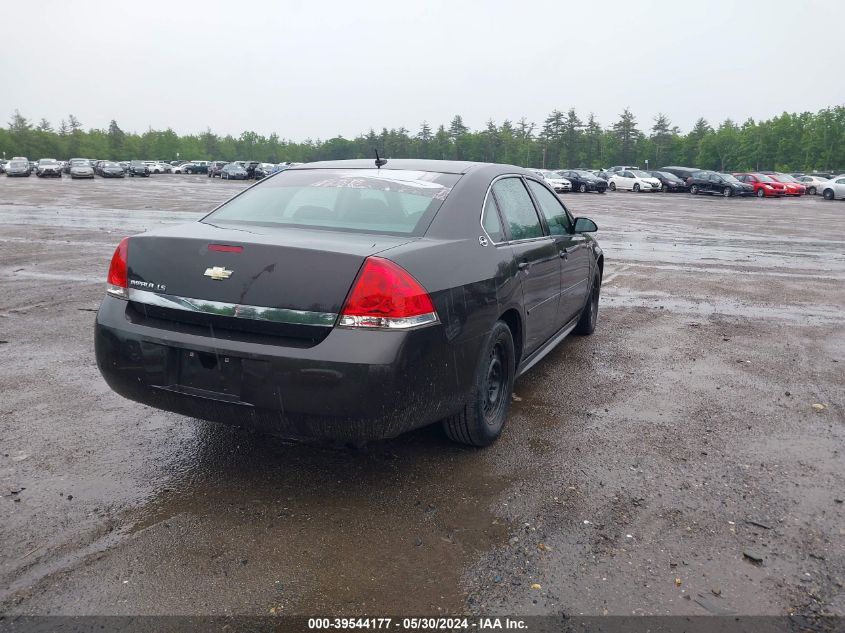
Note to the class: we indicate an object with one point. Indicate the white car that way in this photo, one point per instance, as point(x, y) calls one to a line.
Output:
point(633, 180)
point(157, 168)
point(814, 184)
point(556, 182)
point(834, 188)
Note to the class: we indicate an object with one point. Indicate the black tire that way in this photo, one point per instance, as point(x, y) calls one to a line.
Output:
point(727, 192)
point(612, 186)
point(582, 188)
point(481, 421)
point(811, 191)
point(828, 194)
point(761, 193)
point(664, 189)
point(693, 190)
point(590, 314)
point(636, 187)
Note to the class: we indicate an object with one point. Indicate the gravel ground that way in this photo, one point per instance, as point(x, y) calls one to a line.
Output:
point(673, 463)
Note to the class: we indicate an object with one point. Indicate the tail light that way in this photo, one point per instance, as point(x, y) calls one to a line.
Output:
point(118, 281)
point(385, 295)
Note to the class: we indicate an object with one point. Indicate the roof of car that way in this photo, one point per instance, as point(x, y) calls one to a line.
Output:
point(442, 166)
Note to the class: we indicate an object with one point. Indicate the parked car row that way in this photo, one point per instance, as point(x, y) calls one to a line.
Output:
point(766, 184)
point(673, 178)
point(88, 168)
point(245, 169)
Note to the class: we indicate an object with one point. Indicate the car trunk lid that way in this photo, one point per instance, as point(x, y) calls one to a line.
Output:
point(267, 280)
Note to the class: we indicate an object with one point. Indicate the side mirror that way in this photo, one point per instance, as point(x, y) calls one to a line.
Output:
point(585, 225)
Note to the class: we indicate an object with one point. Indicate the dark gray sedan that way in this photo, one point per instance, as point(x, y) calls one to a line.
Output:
point(233, 171)
point(352, 300)
point(110, 169)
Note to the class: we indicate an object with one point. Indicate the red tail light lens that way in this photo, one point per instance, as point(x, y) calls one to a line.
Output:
point(225, 248)
point(118, 280)
point(385, 295)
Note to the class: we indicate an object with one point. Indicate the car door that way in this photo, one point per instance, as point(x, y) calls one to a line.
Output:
point(714, 183)
point(536, 259)
point(573, 251)
point(627, 179)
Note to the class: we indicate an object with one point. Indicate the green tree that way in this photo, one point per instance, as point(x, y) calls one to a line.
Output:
point(627, 135)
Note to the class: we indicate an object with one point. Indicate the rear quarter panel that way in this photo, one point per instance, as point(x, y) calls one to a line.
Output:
point(471, 285)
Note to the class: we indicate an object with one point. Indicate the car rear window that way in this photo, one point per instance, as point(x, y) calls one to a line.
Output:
point(390, 201)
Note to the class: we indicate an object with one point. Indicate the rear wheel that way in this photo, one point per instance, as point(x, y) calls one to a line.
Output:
point(761, 193)
point(811, 191)
point(612, 186)
point(664, 189)
point(727, 192)
point(590, 313)
point(693, 190)
point(582, 188)
point(482, 419)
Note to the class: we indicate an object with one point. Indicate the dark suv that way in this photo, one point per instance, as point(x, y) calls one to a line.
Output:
point(715, 183)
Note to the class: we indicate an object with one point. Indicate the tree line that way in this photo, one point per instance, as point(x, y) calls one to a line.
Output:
point(790, 141)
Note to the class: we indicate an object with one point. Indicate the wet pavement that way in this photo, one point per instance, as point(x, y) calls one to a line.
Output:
point(638, 468)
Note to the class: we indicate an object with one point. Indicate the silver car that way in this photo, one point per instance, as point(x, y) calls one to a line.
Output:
point(17, 167)
point(81, 168)
point(48, 167)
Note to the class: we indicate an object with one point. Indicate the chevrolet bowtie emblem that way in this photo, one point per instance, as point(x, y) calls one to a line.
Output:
point(218, 273)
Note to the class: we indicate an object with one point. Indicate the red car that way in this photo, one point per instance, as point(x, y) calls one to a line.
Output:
point(764, 186)
point(793, 187)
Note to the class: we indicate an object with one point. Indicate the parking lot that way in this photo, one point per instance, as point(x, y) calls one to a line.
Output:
point(673, 463)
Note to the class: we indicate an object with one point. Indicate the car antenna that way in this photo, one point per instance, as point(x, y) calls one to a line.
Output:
point(379, 161)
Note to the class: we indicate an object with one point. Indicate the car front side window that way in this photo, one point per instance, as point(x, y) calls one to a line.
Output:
point(552, 209)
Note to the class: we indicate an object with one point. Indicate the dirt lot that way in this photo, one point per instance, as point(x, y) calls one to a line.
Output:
point(640, 468)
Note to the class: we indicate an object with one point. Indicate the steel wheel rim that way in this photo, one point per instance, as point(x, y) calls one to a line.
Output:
point(495, 384)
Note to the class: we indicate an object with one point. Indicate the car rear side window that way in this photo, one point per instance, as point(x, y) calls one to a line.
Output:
point(491, 222)
point(391, 201)
point(551, 208)
point(517, 209)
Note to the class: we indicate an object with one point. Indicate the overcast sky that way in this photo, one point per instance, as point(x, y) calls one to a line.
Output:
point(319, 68)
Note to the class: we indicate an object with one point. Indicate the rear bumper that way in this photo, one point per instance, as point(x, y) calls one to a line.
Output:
point(352, 386)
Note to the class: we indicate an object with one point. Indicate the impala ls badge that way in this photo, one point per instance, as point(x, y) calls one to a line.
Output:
point(218, 273)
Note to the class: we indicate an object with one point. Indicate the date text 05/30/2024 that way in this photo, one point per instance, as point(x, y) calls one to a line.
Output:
point(418, 624)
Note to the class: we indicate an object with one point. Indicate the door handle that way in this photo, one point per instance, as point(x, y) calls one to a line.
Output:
point(523, 265)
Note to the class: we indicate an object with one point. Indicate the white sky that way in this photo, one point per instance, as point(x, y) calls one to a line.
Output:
point(315, 69)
